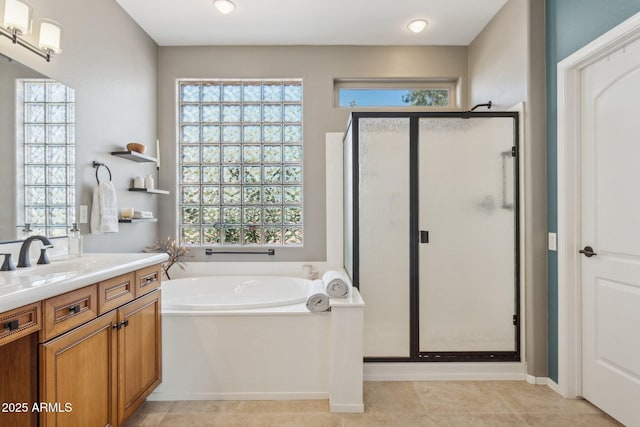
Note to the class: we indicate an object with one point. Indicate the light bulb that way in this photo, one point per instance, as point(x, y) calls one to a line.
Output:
point(417, 25)
point(49, 39)
point(224, 6)
point(17, 16)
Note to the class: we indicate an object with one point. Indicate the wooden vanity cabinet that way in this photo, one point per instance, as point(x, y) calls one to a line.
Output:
point(106, 368)
point(78, 372)
point(19, 330)
point(139, 349)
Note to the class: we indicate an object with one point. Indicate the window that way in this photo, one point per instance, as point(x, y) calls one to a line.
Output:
point(46, 135)
point(362, 93)
point(240, 162)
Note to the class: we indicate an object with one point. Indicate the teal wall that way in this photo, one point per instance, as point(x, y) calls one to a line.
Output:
point(571, 24)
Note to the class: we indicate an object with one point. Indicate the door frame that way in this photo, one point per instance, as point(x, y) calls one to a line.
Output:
point(569, 199)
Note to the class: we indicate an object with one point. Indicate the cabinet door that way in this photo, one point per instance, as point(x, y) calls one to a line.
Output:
point(139, 359)
point(78, 376)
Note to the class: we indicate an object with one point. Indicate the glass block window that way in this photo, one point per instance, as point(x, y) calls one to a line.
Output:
point(240, 162)
point(46, 135)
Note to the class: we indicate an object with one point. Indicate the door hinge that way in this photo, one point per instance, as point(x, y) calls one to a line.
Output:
point(514, 151)
point(424, 236)
point(515, 320)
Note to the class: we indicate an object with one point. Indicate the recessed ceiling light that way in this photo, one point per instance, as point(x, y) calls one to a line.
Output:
point(417, 25)
point(224, 6)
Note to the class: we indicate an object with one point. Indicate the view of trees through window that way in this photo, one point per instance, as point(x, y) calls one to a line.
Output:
point(393, 97)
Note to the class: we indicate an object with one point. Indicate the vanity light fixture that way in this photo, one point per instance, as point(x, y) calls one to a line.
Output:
point(417, 25)
point(49, 39)
point(224, 6)
point(17, 23)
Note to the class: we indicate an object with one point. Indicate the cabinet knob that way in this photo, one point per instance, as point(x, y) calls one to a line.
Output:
point(75, 309)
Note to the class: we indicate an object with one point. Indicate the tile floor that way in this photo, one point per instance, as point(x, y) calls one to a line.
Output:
point(394, 404)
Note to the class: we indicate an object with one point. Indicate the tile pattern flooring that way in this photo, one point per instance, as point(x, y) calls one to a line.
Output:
point(393, 404)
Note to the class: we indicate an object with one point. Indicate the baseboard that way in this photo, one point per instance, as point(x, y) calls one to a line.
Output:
point(240, 396)
point(553, 386)
point(506, 371)
point(346, 408)
point(537, 380)
point(544, 381)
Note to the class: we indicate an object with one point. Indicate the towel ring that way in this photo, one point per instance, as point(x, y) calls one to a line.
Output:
point(97, 166)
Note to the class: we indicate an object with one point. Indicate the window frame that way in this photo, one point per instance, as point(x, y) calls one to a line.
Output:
point(450, 84)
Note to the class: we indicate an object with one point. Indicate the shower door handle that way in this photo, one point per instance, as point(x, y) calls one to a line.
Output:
point(424, 236)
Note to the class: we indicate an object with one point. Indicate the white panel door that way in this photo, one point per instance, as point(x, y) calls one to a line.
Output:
point(611, 227)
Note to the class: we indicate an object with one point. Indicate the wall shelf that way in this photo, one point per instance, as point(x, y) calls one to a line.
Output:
point(132, 220)
point(134, 156)
point(151, 191)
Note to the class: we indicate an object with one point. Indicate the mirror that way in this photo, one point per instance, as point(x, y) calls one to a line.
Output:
point(37, 166)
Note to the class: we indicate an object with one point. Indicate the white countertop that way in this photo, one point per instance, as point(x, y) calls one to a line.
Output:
point(26, 285)
point(353, 300)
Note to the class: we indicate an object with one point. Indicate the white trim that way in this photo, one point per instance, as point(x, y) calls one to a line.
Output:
point(334, 190)
point(346, 408)
point(543, 381)
point(159, 396)
point(508, 371)
point(569, 203)
point(553, 385)
point(538, 380)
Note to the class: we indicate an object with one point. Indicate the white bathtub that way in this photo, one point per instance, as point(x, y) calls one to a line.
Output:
point(213, 293)
point(252, 338)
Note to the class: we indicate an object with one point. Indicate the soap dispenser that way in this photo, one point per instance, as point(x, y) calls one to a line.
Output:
point(75, 241)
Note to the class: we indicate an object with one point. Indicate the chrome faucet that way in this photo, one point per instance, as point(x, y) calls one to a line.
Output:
point(23, 259)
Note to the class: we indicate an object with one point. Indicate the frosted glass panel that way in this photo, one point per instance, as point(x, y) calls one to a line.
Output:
point(466, 203)
point(383, 154)
point(347, 161)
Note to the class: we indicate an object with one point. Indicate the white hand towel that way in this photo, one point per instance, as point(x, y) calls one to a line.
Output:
point(104, 209)
point(337, 283)
point(95, 211)
point(317, 299)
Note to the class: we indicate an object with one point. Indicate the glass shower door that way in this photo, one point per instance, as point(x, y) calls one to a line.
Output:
point(467, 262)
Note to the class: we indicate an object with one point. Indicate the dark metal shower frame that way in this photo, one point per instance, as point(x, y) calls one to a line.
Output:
point(415, 355)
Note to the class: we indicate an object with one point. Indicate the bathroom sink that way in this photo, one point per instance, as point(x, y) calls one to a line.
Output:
point(40, 281)
point(67, 265)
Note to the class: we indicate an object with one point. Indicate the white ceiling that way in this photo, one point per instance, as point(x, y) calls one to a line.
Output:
point(312, 22)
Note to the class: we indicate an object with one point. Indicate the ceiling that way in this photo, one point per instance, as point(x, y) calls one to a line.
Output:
point(307, 22)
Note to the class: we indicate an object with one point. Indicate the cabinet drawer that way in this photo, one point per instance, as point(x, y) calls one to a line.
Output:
point(114, 292)
point(66, 311)
point(147, 280)
point(19, 322)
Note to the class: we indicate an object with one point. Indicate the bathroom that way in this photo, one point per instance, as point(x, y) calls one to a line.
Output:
point(125, 86)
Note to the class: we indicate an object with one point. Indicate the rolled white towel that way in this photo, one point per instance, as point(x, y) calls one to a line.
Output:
point(317, 298)
point(337, 283)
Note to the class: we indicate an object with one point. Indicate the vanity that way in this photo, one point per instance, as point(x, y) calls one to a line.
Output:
point(80, 340)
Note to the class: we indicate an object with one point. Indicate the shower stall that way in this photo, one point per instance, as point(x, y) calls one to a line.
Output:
point(431, 233)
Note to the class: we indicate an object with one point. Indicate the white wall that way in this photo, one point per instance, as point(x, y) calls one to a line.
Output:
point(112, 65)
point(318, 66)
